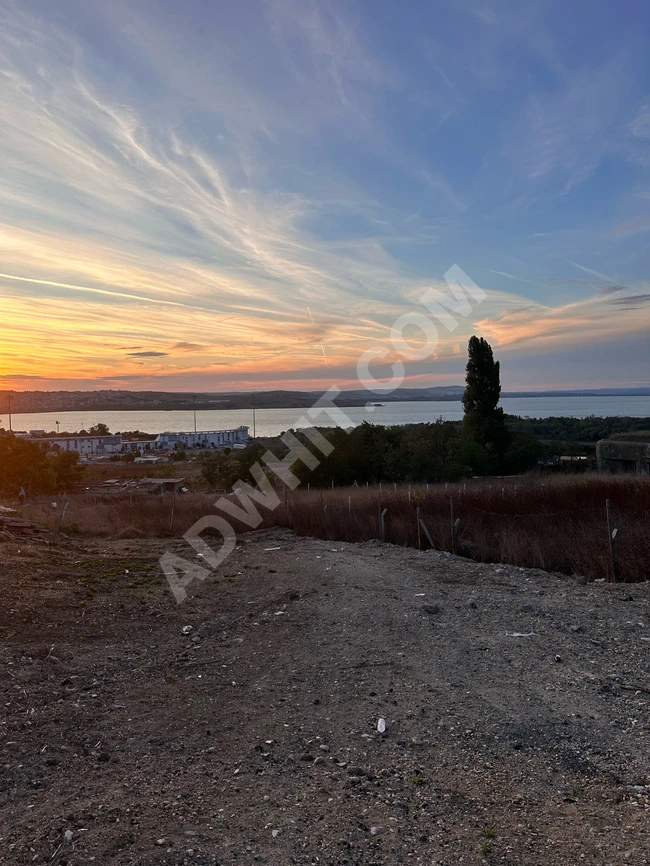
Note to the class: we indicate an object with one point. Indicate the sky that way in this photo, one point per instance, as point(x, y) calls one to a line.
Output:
point(216, 196)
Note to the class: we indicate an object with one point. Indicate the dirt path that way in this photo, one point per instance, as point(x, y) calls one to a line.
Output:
point(253, 738)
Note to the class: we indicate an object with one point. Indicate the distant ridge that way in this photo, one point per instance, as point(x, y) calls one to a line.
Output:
point(25, 402)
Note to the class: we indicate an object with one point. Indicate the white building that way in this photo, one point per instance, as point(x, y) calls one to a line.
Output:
point(87, 446)
point(202, 439)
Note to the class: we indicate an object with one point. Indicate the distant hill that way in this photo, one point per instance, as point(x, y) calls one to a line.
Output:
point(23, 402)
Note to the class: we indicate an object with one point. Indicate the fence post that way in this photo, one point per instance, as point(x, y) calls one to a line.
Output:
point(454, 534)
point(426, 532)
point(63, 513)
point(451, 511)
point(611, 534)
point(382, 524)
point(417, 518)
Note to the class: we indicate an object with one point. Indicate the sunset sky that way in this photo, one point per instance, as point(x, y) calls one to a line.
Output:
point(233, 195)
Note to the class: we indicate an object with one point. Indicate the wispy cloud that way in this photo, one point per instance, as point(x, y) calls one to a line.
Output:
point(178, 188)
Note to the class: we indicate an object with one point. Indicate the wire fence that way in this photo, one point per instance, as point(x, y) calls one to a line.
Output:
point(609, 540)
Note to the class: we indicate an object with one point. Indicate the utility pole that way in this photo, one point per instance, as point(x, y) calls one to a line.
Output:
point(57, 428)
point(253, 416)
point(195, 414)
point(9, 399)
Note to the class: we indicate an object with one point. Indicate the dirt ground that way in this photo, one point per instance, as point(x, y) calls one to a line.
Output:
point(241, 726)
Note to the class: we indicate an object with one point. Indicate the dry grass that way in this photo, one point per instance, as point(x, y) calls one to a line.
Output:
point(554, 523)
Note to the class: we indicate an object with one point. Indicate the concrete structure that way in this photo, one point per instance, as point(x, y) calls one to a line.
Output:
point(87, 446)
point(624, 455)
point(155, 486)
point(202, 439)
point(139, 446)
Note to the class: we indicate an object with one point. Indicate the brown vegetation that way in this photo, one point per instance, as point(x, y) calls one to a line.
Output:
point(554, 523)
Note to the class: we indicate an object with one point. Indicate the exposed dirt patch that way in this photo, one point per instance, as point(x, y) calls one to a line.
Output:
point(253, 737)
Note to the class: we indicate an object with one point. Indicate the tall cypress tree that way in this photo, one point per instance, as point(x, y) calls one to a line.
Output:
point(484, 421)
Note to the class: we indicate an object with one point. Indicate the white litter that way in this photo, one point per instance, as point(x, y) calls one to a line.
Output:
point(272, 548)
point(187, 629)
point(520, 633)
point(381, 726)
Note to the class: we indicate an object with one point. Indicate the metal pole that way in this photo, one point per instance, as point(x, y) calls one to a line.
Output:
point(610, 535)
point(451, 508)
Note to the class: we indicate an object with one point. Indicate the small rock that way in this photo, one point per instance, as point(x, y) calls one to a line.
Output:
point(527, 608)
point(319, 760)
point(160, 841)
point(187, 629)
point(432, 609)
point(375, 831)
point(275, 833)
point(68, 835)
point(558, 658)
point(381, 725)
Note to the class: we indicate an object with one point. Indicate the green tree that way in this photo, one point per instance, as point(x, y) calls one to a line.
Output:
point(99, 430)
point(66, 468)
point(484, 421)
point(34, 467)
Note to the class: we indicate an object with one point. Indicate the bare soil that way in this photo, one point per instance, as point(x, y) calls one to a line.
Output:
point(252, 737)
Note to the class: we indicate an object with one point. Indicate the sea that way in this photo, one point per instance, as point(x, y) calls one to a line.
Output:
point(273, 422)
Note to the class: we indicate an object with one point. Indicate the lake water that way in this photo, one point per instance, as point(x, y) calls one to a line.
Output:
point(271, 422)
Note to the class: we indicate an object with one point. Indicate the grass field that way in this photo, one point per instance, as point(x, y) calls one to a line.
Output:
point(557, 523)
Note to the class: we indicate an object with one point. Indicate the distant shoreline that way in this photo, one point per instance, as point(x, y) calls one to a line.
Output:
point(290, 401)
point(40, 403)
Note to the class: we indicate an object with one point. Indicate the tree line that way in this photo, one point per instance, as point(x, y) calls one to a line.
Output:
point(35, 467)
point(484, 443)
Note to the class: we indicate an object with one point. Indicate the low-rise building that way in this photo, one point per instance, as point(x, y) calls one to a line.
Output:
point(627, 455)
point(203, 439)
point(87, 446)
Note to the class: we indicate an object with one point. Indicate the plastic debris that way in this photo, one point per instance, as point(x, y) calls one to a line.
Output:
point(520, 633)
point(187, 629)
point(275, 833)
point(381, 726)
